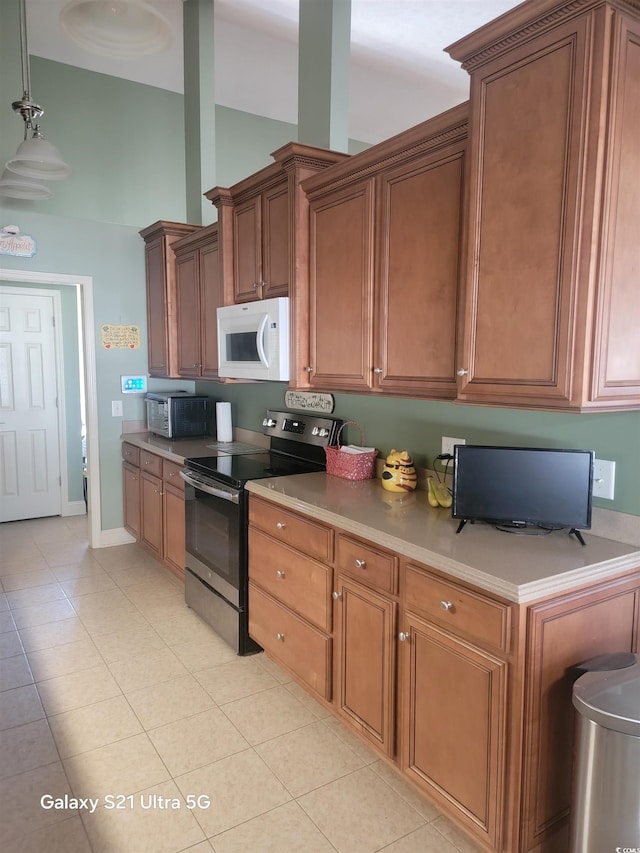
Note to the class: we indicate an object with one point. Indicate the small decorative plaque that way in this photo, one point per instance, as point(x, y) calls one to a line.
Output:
point(120, 337)
point(309, 401)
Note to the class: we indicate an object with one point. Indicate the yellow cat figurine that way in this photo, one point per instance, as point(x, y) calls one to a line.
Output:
point(399, 475)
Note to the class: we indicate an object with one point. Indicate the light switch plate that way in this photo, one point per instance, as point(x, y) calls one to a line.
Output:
point(116, 408)
point(604, 478)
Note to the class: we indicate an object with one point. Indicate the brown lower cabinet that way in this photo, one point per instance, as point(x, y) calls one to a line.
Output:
point(464, 693)
point(154, 505)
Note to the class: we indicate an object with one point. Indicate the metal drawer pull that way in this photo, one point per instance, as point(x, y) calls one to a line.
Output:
point(280, 637)
point(281, 525)
point(279, 573)
point(361, 564)
point(403, 636)
point(446, 606)
point(336, 596)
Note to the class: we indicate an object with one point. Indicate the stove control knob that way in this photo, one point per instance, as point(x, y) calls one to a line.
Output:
point(264, 422)
point(323, 433)
point(315, 431)
point(269, 422)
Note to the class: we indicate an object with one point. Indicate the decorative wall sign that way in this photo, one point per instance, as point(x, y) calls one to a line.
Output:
point(309, 401)
point(12, 242)
point(120, 337)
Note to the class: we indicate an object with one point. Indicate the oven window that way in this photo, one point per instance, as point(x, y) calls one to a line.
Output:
point(242, 346)
point(213, 534)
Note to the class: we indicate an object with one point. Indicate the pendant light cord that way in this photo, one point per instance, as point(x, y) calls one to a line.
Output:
point(24, 52)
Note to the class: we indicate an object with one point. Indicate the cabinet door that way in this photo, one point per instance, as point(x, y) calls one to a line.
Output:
point(564, 632)
point(341, 288)
point(365, 662)
point(173, 529)
point(522, 303)
point(187, 311)
point(131, 492)
point(418, 275)
point(275, 242)
point(151, 509)
point(247, 249)
point(211, 297)
point(453, 727)
point(157, 328)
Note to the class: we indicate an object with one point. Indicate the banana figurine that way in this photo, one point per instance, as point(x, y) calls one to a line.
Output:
point(438, 494)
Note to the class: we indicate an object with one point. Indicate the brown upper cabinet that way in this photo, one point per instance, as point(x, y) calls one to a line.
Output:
point(161, 286)
point(198, 295)
point(385, 232)
point(264, 232)
point(552, 306)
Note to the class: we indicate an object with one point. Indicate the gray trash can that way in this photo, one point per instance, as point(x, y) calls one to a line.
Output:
point(605, 814)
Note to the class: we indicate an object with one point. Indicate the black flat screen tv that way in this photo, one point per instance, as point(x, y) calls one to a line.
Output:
point(524, 489)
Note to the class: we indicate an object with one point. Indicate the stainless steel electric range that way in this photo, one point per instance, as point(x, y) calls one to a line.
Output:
point(216, 576)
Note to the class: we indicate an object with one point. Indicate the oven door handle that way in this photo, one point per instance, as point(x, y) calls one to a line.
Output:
point(217, 491)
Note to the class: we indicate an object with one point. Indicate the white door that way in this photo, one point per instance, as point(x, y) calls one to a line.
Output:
point(29, 426)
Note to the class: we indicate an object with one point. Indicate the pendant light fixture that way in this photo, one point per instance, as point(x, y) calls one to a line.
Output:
point(36, 159)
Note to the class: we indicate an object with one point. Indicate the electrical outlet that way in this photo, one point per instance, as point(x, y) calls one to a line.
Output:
point(604, 478)
point(116, 408)
point(448, 444)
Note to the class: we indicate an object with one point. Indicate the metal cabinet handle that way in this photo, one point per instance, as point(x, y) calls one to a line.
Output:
point(403, 636)
point(377, 370)
point(309, 369)
point(281, 525)
point(158, 492)
point(279, 573)
point(336, 596)
point(361, 564)
point(446, 606)
point(280, 637)
point(462, 372)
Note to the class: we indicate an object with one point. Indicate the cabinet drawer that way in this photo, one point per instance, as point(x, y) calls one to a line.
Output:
point(130, 453)
point(301, 647)
point(369, 565)
point(307, 536)
point(151, 462)
point(301, 583)
point(171, 474)
point(461, 611)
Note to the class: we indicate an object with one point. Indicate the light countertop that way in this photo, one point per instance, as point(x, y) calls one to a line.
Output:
point(182, 448)
point(518, 567)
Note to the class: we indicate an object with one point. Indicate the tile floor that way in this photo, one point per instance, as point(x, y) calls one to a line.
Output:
point(111, 689)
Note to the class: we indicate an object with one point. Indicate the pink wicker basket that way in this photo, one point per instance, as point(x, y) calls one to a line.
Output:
point(350, 466)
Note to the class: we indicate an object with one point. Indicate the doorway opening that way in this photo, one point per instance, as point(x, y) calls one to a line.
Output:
point(84, 295)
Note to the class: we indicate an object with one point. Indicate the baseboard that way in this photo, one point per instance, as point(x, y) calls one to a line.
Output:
point(73, 508)
point(114, 536)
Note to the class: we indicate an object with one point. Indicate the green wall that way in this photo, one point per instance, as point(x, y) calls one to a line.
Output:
point(418, 426)
point(113, 256)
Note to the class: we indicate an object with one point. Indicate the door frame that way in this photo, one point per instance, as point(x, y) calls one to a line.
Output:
point(54, 295)
point(84, 290)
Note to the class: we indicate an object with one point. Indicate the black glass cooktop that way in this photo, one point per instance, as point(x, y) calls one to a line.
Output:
point(236, 470)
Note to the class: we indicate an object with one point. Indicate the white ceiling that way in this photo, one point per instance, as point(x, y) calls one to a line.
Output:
point(400, 74)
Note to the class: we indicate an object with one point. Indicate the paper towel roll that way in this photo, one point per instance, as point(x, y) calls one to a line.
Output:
point(224, 430)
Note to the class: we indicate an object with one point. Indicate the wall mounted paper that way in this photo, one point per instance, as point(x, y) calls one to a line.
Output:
point(224, 429)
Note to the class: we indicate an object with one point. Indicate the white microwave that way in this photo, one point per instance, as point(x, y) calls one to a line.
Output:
point(253, 340)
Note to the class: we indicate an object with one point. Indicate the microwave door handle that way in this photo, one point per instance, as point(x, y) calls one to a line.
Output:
point(260, 340)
